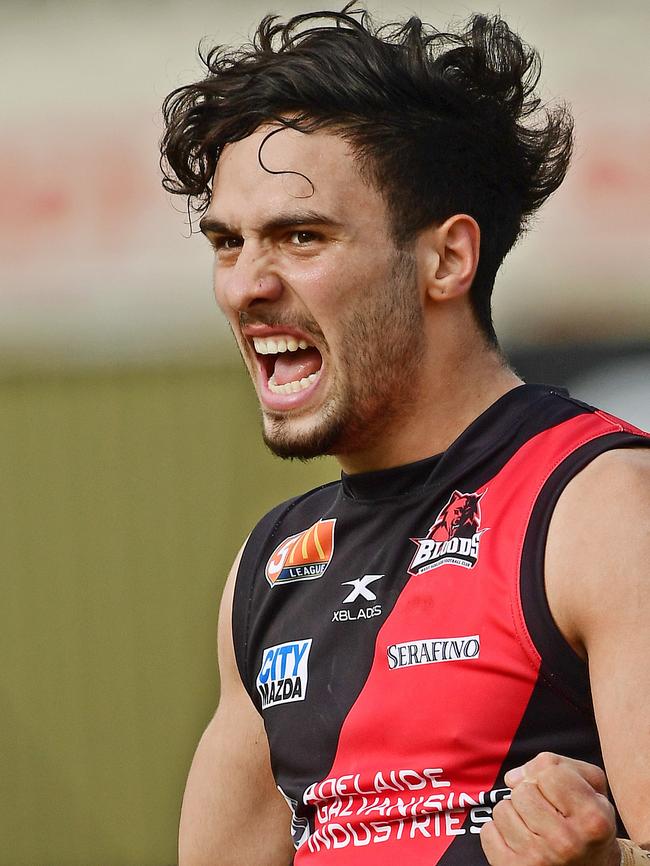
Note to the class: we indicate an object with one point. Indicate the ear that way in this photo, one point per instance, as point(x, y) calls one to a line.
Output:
point(451, 252)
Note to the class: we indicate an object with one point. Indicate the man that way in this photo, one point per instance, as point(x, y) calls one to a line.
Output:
point(436, 659)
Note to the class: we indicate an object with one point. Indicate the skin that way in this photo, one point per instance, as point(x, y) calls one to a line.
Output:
point(302, 274)
point(335, 282)
point(328, 269)
point(229, 789)
point(597, 586)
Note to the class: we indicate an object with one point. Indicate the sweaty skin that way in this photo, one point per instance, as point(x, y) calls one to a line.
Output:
point(399, 369)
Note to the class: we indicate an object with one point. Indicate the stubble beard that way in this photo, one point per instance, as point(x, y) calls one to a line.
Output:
point(375, 383)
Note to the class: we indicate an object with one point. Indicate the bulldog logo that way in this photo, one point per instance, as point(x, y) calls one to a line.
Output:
point(454, 538)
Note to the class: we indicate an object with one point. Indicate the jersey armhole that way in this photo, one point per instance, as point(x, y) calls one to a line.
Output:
point(241, 605)
point(561, 666)
point(243, 596)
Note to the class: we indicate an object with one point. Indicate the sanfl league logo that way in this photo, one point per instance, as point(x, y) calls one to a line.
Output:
point(304, 556)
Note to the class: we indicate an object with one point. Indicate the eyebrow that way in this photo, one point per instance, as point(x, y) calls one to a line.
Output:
point(281, 221)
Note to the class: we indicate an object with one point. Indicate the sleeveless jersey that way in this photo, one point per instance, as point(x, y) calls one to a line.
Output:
point(393, 631)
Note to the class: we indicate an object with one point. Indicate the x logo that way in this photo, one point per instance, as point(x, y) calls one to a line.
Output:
point(360, 588)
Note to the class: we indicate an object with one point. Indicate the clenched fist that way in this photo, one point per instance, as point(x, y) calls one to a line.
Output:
point(558, 815)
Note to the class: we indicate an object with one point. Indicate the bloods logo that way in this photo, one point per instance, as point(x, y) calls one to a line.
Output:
point(455, 536)
point(304, 556)
point(284, 673)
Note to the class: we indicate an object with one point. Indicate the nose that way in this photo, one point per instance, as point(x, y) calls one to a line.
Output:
point(251, 280)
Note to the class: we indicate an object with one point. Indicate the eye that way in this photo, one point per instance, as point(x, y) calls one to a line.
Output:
point(300, 238)
point(228, 243)
point(225, 243)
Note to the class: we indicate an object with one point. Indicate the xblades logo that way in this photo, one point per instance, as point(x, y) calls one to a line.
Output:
point(360, 590)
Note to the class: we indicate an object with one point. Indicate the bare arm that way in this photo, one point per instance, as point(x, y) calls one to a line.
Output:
point(233, 814)
point(598, 583)
point(598, 587)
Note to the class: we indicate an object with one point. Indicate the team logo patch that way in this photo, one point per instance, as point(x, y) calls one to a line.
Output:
point(455, 536)
point(283, 674)
point(304, 556)
point(433, 650)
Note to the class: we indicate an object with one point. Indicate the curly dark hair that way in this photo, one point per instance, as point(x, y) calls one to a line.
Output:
point(440, 122)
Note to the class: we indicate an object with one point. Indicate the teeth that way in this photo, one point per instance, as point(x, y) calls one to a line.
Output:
point(291, 387)
point(275, 345)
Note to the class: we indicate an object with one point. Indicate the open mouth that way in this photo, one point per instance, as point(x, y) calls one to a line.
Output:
point(290, 364)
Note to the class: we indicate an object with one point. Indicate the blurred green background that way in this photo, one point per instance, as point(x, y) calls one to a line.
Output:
point(124, 499)
point(131, 464)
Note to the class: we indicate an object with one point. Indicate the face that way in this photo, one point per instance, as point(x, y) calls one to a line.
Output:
point(324, 308)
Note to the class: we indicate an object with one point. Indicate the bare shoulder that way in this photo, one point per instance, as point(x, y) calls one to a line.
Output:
point(612, 492)
point(598, 586)
point(598, 549)
point(612, 467)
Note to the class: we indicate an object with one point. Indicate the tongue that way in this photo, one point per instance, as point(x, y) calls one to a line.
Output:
point(293, 366)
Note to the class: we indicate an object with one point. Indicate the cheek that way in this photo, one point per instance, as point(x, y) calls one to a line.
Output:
point(328, 286)
point(217, 282)
point(220, 290)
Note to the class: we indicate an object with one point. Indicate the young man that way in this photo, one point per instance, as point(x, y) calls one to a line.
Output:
point(456, 632)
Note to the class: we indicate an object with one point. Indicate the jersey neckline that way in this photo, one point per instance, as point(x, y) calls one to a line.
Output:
point(496, 424)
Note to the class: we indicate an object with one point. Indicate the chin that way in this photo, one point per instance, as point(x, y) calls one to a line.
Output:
point(284, 438)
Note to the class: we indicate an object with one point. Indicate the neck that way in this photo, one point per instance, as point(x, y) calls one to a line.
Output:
point(445, 404)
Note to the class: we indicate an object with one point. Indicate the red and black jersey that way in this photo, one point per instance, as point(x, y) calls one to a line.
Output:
point(393, 631)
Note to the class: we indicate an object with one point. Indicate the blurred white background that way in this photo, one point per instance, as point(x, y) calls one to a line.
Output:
point(97, 266)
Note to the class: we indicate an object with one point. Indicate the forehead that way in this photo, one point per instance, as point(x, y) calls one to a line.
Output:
point(277, 167)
